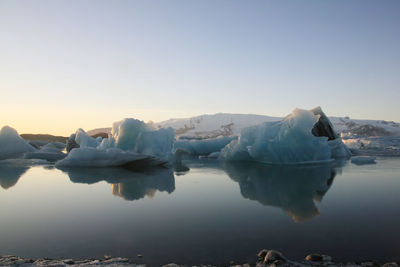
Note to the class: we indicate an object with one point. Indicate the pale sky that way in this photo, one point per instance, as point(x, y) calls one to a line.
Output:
point(71, 64)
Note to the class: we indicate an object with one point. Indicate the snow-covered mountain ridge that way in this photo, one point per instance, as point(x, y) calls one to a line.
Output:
point(226, 124)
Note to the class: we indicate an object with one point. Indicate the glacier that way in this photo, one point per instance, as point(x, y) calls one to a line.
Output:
point(304, 136)
point(12, 145)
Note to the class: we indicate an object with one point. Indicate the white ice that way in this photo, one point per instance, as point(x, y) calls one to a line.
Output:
point(92, 157)
point(362, 160)
point(284, 142)
point(130, 140)
point(84, 140)
point(12, 145)
point(203, 147)
point(50, 152)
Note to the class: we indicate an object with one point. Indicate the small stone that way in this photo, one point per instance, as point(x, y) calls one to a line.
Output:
point(314, 257)
point(68, 261)
point(139, 255)
point(369, 264)
point(262, 253)
point(273, 255)
point(390, 264)
point(326, 257)
point(107, 257)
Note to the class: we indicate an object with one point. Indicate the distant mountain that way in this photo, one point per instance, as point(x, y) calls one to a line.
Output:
point(208, 126)
point(347, 126)
point(98, 131)
point(44, 137)
point(225, 124)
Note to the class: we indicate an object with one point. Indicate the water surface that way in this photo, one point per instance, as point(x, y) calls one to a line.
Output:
point(210, 214)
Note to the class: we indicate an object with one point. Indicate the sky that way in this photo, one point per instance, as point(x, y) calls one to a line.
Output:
point(87, 63)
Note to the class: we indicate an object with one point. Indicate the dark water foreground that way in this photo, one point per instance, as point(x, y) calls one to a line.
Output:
point(211, 214)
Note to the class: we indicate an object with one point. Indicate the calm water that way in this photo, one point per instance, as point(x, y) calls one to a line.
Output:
point(209, 214)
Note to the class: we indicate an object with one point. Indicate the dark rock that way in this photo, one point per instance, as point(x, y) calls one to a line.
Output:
point(369, 264)
point(261, 254)
point(314, 257)
point(68, 261)
point(273, 255)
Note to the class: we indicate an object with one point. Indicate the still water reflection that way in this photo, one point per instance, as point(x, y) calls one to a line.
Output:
point(291, 188)
point(208, 213)
point(129, 185)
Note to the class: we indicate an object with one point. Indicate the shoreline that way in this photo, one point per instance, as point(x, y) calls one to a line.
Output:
point(265, 258)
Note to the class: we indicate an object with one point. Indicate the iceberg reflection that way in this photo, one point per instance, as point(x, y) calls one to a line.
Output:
point(125, 183)
point(11, 171)
point(291, 188)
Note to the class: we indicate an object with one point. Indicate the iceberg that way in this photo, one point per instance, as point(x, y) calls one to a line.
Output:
point(50, 152)
point(156, 143)
point(362, 160)
point(139, 137)
point(84, 140)
point(131, 142)
point(110, 157)
point(125, 133)
point(304, 136)
point(12, 145)
point(203, 147)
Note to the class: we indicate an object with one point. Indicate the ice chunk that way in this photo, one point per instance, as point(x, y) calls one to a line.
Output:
point(111, 157)
point(203, 147)
point(126, 132)
point(84, 140)
point(49, 152)
point(130, 141)
point(156, 143)
point(12, 145)
point(362, 160)
point(288, 141)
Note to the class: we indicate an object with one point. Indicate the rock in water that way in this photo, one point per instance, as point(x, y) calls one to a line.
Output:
point(314, 257)
point(273, 255)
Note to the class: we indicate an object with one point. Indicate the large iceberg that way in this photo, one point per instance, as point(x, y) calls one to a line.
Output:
point(302, 137)
point(12, 145)
point(130, 141)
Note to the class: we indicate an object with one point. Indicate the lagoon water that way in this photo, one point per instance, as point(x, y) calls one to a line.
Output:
point(212, 213)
